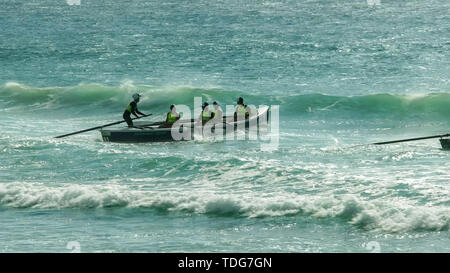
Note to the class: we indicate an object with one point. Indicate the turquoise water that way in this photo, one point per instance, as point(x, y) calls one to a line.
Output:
point(345, 74)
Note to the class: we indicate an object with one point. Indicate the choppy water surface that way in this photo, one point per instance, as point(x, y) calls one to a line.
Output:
point(344, 75)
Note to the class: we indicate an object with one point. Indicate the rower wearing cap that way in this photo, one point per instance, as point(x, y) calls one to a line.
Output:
point(242, 110)
point(206, 115)
point(132, 109)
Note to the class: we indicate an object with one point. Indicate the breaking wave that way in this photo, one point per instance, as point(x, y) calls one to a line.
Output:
point(112, 99)
point(367, 215)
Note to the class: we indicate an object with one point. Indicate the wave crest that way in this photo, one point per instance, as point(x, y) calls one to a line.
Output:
point(109, 98)
point(367, 215)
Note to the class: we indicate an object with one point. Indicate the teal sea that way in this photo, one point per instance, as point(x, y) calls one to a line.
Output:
point(344, 74)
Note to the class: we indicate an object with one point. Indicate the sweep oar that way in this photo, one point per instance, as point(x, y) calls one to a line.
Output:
point(411, 139)
point(98, 127)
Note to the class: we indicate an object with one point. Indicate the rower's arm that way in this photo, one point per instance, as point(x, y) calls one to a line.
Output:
point(133, 108)
point(140, 113)
point(134, 113)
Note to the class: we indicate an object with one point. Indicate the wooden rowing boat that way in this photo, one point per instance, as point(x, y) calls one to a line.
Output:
point(154, 133)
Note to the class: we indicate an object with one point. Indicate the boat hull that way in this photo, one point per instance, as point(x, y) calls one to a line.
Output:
point(445, 143)
point(136, 136)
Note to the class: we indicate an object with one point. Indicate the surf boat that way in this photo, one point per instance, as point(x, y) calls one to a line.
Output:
point(154, 133)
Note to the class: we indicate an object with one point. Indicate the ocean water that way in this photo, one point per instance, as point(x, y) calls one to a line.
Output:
point(344, 73)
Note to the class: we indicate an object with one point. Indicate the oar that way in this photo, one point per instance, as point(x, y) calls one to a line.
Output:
point(411, 139)
point(98, 127)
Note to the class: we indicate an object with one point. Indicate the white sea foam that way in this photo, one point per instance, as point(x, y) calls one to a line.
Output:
point(387, 216)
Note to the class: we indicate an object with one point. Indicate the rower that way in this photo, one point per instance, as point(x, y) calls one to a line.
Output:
point(206, 115)
point(132, 109)
point(242, 110)
point(217, 112)
point(172, 116)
